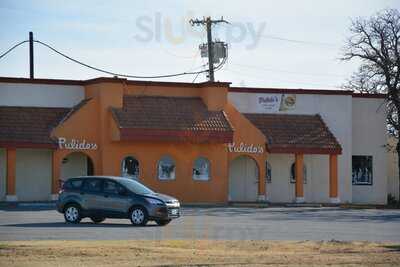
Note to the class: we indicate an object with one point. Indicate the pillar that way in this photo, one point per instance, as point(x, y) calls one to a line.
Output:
point(333, 178)
point(299, 173)
point(56, 171)
point(261, 180)
point(11, 170)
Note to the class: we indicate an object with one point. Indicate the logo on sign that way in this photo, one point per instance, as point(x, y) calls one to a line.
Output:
point(75, 144)
point(244, 148)
point(268, 99)
point(276, 102)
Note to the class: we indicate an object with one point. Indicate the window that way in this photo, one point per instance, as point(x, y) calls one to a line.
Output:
point(362, 170)
point(111, 187)
point(130, 168)
point(73, 184)
point(293, 174)
point(201, 169)
point(136, 187)
point(166, 168)
point(92, 185)
point(268, 172)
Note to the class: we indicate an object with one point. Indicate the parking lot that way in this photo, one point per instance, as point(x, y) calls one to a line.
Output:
point(231, 223)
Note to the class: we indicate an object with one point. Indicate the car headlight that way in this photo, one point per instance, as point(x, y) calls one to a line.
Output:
point(176, 202)
point(155, 201)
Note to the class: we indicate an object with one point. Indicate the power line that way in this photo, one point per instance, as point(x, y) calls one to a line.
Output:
point(279, 80)
point(278, 38)
point(12, 48)
point(288, 72)
point(273, 37)
point(195, 77)
point(118, 74)
point(106, 71)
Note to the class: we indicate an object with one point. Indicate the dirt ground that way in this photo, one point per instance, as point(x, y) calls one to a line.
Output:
point(198, 253)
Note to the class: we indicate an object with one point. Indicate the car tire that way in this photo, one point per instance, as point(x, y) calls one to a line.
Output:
point(138, 216)
point(97, 219)
point(72, 213)
point(163, 222)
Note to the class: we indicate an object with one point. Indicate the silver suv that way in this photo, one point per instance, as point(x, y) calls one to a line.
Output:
point(100, 197)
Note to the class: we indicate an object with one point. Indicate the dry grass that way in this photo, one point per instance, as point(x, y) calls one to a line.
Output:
point(197, 253)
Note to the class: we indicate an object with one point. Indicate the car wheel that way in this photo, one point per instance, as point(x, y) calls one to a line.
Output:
point(138, 216)
point(97, 219)
point(163, 222)
point(72, 213)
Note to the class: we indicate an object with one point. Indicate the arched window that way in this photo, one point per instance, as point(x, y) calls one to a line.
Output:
point(268, 172)
point(130, 168)
point(201, 169)
point(166, 168)
point(293, 174)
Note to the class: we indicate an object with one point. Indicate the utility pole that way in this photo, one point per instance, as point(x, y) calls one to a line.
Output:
point(210, 50)
point(208, 23)
point(31, 66)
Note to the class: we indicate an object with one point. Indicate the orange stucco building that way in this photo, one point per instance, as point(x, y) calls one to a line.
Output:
point(95, 121)
point(183, 139)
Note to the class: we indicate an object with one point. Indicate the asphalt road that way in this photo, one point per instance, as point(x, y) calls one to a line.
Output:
point(213, 223)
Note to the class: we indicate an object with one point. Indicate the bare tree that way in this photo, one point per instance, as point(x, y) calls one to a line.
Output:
point(375, 42)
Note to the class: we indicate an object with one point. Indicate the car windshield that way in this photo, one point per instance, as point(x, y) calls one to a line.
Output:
point(136, 187)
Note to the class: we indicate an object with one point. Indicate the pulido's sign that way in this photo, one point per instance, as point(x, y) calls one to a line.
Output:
point(275, 102)
point(244, 148)
point(75, 144)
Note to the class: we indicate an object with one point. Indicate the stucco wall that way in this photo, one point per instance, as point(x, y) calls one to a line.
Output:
point(187, 190)
point(280, 190)
point(369, 138)
point(393, 175)
point(33, 174)
point(319, 169)
point(393, 171)
point(316, 190)
point(40, 95)
point(336, 112)
point(3, 173)
point(75, 165)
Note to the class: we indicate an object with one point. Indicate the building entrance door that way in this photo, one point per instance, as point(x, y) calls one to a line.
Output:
point(243, 179)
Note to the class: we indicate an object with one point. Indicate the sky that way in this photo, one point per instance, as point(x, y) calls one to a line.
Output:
point(283, 44)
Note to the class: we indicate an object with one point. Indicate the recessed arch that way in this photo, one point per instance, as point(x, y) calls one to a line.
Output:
point(130, 167)
point(293, 173)
point(201, 169)
point(166, 167)
point(76, 164)
point(243, 179)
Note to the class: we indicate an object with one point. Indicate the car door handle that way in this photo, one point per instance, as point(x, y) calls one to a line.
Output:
point(82, 193)
point(105, 195)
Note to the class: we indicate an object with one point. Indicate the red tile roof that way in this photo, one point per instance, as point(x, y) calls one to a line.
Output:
point(306, 134)
point(74, 109)
point(171, 119)
point(29, 125)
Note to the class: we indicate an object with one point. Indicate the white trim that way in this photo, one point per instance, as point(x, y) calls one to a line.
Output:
point(300, 200)
point(54, 197)
point(11, 198)
point(335, 200)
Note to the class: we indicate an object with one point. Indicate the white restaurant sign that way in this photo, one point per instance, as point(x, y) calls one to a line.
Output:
point(275, 102)
point(244, 148)
point(75, 144)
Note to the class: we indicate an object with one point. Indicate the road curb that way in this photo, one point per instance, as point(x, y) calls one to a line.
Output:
point(28, 204)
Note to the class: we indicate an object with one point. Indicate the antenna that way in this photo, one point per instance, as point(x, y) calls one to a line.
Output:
point(207, 50)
